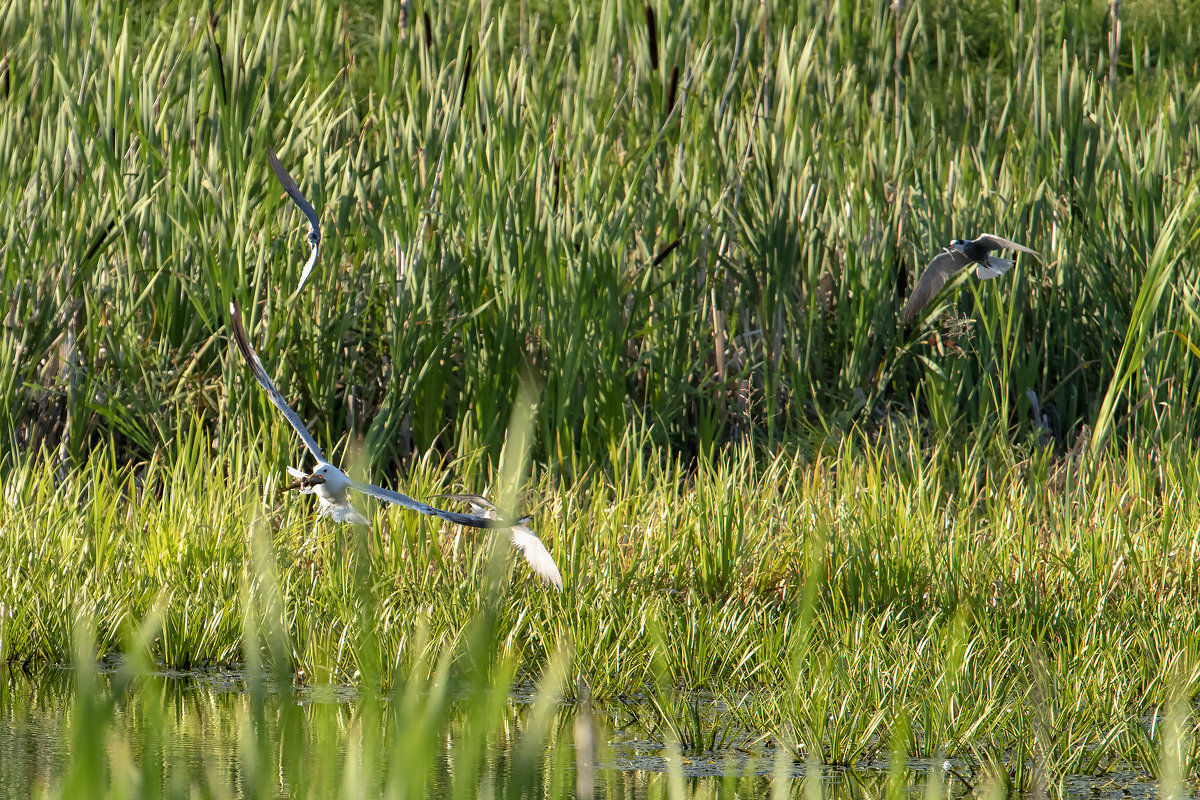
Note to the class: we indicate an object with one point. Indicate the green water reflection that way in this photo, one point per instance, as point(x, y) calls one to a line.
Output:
point(206, 735)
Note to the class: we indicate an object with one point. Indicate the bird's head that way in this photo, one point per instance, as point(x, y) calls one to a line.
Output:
point(333, 478)
point(958, 244)
point(314, 237)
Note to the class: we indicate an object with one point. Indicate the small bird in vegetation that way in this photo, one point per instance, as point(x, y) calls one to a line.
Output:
point(521, 537)
point(961, 253)
point(1045, 419)
point(328, 482)
point(314, 224)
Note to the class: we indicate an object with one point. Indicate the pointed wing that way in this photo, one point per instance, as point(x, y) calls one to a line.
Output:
point(389, 496)
point(536, 555)
point(289, 186)
point(1037, 407)
point(260, 374)
point(932, 280)
point(483, 507)
point(993, 242)
point(308, 267)
point(528, 544)
point(479, 504)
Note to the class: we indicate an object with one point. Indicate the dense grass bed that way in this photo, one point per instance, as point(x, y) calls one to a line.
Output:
point(867, 596)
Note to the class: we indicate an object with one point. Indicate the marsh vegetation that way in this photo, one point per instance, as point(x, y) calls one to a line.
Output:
point(677, 242)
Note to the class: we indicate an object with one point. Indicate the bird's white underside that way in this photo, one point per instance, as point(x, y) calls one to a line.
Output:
point(327, 506)
point(996, 267)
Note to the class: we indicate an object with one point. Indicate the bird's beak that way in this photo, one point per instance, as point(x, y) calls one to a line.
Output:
point(303, 483)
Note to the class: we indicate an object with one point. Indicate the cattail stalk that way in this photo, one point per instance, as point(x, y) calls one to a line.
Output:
point(1114, 40)
point(898, 7)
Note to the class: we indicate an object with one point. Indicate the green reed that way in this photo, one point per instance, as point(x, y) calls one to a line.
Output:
point(710, 249)
point(694, 248)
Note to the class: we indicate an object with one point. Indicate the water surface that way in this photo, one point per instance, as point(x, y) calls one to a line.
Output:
point(206, 733)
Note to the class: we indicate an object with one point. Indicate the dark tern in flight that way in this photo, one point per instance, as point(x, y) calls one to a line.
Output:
point(960, 254)
point(329, 483)
point(314, 224)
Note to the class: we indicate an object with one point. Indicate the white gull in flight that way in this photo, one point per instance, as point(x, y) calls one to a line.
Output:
point(522, 538)
point(326, 481)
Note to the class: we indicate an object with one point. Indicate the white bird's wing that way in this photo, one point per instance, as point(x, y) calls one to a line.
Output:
point(1037, 407)
point(528, 544)
point(289, 186)
point(932, 280)
point(479, 504)
point(260, 374)
point(308, 266)
point(389, 496)
point(994, 242)
point(536, 555)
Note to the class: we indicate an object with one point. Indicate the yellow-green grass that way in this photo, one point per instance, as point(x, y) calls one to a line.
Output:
point(1044, 606)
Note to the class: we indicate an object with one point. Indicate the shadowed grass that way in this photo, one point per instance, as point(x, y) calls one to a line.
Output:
point(504, 191)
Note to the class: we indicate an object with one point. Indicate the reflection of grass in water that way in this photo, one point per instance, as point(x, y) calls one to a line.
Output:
point(207, 732)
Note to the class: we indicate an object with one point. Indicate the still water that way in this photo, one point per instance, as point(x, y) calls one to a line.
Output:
point(209, 734)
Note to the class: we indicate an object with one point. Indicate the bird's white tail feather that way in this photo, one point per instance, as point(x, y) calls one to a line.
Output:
point(996, 266)
point(341, 512)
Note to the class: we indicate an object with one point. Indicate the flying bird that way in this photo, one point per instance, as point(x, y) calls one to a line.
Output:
point(314, 224)
point(525, 540)
point(961, 253)
point(326, 481)
point(1045, 419)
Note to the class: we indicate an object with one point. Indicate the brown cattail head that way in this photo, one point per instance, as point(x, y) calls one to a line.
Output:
point(557, 181)
point(666, 251)
point(652, 37)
